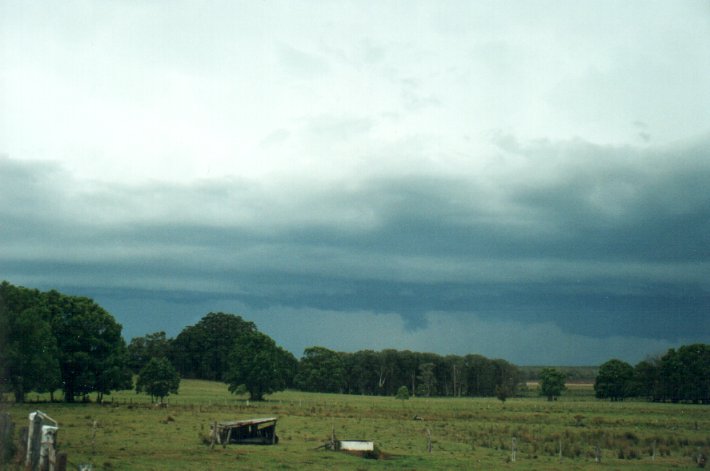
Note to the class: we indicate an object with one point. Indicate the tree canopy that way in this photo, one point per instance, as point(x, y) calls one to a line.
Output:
point(614, 381)
point(202, 351)
point(552, 383)
point(321, 370)
point(28, 347)
point(142, 349)
point(53, 340)
point(260, 366)
point(158, 378)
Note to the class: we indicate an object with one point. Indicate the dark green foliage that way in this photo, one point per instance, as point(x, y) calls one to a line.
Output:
point(402, 393)
point(503, 392)
point(647, 379)
point(51, 340)
point(427, 380)
point(28, 351)
point(614, 381)
point(201, 351)
point(158, 378)
point(142, 349)
point(381, 373)
point(92, 353)
point(260, 366)
point(321, 370)
point(685, 374)
point(552, 383)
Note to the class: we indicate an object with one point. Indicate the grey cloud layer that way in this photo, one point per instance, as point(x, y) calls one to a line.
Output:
point(599, 241)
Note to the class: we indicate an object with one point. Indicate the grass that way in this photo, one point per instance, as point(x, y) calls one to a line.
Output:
point(467, 433)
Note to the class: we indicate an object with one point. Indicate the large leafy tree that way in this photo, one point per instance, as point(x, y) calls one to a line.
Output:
point(202, 350)
point(321, 370)
point(685, 374)
point(552, 383)
point(158, 378)
point(28, 348)
point(260, 366)
point(614, 380)
point(92, 353)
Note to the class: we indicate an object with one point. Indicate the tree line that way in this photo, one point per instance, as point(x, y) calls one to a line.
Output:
point(223, 347)
point(680, 375)
point(50, 341)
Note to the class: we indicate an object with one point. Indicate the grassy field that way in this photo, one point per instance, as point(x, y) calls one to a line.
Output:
point(132, 434)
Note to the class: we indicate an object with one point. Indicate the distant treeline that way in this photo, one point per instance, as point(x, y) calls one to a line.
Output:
point(203, 351)
point(50, 341)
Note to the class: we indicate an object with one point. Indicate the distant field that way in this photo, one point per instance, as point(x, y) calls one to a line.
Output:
point(467, 433)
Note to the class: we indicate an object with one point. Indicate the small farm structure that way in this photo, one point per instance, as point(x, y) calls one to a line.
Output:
point(41, 442)
point(251, 431)
point(354, 445)
point(359, 446)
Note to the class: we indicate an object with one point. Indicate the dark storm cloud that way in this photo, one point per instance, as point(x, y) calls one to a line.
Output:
point(597, 241)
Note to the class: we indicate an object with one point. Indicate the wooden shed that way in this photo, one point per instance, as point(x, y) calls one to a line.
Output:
point(250, 431)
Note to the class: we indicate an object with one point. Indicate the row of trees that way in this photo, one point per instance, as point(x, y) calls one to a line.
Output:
point(425, 374)
point(681, 375)
point(224, 347)
point(50, 341)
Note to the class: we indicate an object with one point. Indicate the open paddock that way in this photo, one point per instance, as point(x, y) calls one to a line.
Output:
point(466, 433)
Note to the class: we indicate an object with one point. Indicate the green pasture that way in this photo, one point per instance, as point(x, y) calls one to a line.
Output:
point(130, 433)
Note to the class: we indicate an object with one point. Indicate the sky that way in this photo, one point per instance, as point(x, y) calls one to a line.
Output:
point(522, 180)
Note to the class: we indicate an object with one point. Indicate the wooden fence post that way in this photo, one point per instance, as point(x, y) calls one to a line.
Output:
point(513, 449)
point(61, 461)
point(35, 434)
point(428, 446)
point(213, 437)
point(6, 429)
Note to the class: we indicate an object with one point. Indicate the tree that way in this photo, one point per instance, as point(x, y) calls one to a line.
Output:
point(647, 379)
point(260, 366)
point(402, 394)
point(201, 351)
point(142, 349)
point(503, 392)
point(158, 378)
point(28, 348)
point(320, 370)
point(614, 380)
point(685, 374)
point(552, 383)
point(91, 349)
point(427, 379)
point(507, 376)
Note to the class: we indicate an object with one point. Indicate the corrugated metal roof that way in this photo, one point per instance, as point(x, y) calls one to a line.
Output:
point(239, 423)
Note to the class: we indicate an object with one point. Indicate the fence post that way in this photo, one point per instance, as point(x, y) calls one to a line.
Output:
point(6, 429)
point(513, 449)
point(35, 435)
point(61, 461)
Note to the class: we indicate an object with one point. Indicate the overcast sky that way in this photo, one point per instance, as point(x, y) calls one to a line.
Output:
point(524, 180)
